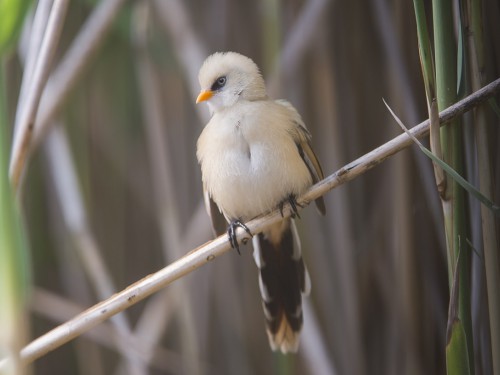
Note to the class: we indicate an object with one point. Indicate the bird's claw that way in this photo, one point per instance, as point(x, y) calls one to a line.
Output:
point(231, 232)
point(292, 200)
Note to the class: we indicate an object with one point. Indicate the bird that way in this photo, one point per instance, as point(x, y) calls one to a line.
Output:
point(256, 156)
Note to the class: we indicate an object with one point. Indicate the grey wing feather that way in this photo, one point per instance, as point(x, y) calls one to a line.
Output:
point(219, 223)
point(312, 163)
point(303, 141)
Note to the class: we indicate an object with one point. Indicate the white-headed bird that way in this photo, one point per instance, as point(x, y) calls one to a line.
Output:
point(255, 156)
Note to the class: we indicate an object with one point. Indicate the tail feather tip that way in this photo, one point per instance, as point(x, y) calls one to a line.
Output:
point(285, 339)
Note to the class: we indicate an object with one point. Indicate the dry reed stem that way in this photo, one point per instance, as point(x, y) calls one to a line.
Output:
point(59, 309)
point(62, 170)
point(188, 44)
point(378, 155)
point(29, 47)
point(209, 251)
point(75, 61)
point(164, 194)
point(313, 347)
point(24, 126)
point(391, 42)
point(298, 42)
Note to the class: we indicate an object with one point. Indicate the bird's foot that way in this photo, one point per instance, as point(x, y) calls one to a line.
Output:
point(231, 232)
point(292, 200)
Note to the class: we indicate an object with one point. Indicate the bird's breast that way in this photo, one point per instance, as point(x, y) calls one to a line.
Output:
point(249, 175)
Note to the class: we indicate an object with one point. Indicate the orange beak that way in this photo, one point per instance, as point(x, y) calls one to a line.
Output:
point(204, 95)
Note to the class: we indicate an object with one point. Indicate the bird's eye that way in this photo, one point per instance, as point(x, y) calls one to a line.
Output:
point(219, 83)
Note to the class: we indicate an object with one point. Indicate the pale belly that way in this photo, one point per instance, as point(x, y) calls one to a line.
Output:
point(247, 181)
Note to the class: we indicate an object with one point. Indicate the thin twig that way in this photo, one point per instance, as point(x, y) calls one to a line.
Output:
point(209, 251)
point(25, 122)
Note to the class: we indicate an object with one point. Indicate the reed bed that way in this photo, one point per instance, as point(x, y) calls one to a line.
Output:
point(99, 188)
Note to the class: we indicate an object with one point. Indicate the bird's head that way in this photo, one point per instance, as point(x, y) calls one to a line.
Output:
point(226, 77)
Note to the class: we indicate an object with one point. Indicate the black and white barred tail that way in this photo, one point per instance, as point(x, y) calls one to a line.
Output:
point(283, 280)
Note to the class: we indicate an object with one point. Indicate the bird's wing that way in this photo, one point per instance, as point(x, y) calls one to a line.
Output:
point(303, 141)
point(219, 223)
point(307, 154)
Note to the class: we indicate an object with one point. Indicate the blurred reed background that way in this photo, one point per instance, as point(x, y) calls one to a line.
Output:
point(113, 191)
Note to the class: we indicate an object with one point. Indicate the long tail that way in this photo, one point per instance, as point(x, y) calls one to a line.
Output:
point(283, 280)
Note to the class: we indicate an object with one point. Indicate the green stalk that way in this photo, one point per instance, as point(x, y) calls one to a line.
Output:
point(13, 285)
point(457, 360)
point(453, 196)
point(12, 13)
point(473, 18)
point(429, 75)
point(13, 257)
point(425, 52)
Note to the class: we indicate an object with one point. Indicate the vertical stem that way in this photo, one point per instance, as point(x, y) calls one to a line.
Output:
point(483, 132)
point(425, 51)
point(13, 258)
point(429, 75)
point(24, 124)
point(271, 36)
point(453, 197)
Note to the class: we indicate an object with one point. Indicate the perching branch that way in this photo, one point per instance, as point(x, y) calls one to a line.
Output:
point(378, 155)
point(209, 251)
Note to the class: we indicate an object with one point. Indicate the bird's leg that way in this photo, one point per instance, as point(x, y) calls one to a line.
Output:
point(231, 232)
point(292, 200)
